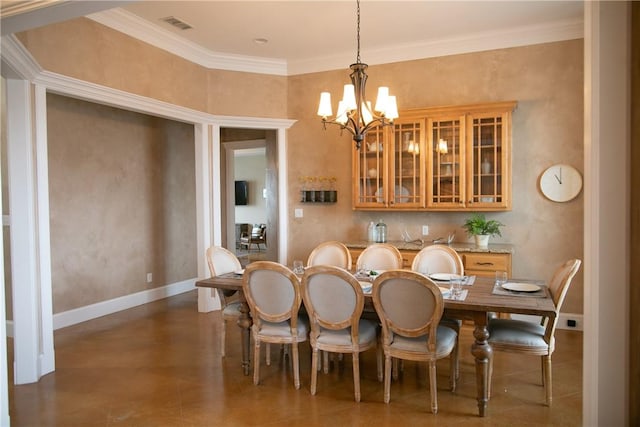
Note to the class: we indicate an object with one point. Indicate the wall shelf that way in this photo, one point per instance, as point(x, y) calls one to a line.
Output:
point(318, 196)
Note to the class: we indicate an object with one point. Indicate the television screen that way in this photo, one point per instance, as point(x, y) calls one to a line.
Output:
point(242, 193)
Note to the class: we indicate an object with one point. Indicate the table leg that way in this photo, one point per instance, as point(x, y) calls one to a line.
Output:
point(481, 350)
point(245, 322)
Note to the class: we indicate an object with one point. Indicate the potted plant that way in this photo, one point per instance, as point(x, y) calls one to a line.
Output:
point(481, 228)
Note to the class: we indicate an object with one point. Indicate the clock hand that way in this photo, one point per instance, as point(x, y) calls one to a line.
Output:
point(559, 179)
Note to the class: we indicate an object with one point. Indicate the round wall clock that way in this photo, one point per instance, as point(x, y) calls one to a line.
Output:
point(561, 183)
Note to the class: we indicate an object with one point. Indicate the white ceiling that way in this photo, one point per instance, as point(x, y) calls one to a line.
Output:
point(306, 36)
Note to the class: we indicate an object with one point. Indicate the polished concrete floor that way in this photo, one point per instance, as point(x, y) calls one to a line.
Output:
point(160, 365)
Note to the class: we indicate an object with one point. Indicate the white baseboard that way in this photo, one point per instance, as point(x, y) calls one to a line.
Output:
point(88, 312)
point(93, 311)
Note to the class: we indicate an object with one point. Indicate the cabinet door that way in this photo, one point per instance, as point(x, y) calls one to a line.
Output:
point(446, 159)
point(489, 160)
point(406, 166)
point(370, 171)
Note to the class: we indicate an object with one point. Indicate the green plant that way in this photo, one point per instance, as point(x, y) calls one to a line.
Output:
point(478, 224)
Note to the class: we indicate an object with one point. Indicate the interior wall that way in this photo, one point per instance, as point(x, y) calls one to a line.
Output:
point(547, 82)
point(122, 202)
point(5, 200)
point(253, 170)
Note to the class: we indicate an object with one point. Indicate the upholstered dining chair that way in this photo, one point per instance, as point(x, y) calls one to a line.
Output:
point(438, 259)
point(441, 259)
point(334, 301)
point(330, 253)
point(221, 261)
point(409, 306)
point(518, 336)
point(273, 294)
point(380, 256)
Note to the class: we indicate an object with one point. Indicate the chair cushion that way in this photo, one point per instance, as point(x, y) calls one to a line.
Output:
point(516, 332)
point(232, 309)
point(283, 329)
point(445, 341)
point(366, 334)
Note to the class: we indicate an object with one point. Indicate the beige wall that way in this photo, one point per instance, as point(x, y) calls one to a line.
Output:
point(122, 200)
point(546, 80)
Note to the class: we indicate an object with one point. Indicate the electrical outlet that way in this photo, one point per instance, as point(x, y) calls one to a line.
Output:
point(298, 213)
point(425, 230)
point(149, 277)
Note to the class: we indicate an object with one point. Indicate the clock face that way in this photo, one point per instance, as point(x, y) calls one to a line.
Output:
point(561, 183)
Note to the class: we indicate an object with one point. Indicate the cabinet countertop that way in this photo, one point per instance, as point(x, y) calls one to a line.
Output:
point(496, 248)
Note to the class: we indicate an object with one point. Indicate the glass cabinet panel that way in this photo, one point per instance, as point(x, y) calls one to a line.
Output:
point(370, 170)
point(488, 154)
point(407, 174)
point(447, 151)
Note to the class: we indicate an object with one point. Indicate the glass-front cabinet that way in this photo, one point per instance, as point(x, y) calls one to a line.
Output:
point(447, 158)
point(389, 170)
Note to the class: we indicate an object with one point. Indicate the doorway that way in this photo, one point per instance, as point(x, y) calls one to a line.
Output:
point(253, 162)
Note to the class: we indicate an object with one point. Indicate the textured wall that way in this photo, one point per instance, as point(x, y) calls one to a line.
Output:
point(546, 80)
point(122, 198)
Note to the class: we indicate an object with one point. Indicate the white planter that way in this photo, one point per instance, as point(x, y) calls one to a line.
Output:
point(482, 240)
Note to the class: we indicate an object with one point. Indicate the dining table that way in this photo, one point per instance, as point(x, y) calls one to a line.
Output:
point(480, 301)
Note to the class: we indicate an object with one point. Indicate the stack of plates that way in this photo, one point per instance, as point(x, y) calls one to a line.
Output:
point(444, 277)
point(521, 287)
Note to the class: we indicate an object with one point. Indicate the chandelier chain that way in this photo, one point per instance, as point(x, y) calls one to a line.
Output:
point(358, 32)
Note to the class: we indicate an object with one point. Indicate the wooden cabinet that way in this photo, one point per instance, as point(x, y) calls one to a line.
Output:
point(475, 263)
point(454, 158)
point(389, 168)
point(486, 264)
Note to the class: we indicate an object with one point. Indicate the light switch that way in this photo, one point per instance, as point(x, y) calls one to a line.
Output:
point(298, 213)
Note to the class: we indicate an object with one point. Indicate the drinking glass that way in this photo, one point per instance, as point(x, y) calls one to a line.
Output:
point(501, 278)
point(298, 267)
point(456, 287)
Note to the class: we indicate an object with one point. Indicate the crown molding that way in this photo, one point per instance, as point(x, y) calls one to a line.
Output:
point(24, 66)
point(134, 26)
point(469, 43)
point(138, 28)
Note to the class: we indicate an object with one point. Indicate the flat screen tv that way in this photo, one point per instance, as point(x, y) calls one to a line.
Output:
point(242, 193)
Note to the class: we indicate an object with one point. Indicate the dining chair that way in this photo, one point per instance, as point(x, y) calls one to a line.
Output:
point(330, 253)
point(410, 306)
point(530, 338)
point(380, 256)
point(441, 259)
point(222, 261)
point(437, 259)
point(273, 294)
point(334, 301)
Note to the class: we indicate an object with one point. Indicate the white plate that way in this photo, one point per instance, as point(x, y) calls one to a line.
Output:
point(445, 291)
point(521, 287)
point(240, 272)
point(444, 277)
point(401, 193)
point(366, 287)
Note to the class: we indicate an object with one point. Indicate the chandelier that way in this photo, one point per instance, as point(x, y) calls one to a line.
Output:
point(354, 111)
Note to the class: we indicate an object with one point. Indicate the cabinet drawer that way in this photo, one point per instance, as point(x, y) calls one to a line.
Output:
point(487, 262)
point(407, 257)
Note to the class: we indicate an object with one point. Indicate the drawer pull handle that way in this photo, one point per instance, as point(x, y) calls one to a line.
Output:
point(484, 263)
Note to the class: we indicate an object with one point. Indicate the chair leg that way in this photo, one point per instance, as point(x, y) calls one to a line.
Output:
point(395, 369)
point(267, 356)
point(453, 368)
point(314, 370)
point(379, 361)
point(356, 375)
point(325, 361)
point(296, 365)
point(547, 378)
point(223, 333)
point(433, 387)
point(256, 361)
point(387, 378)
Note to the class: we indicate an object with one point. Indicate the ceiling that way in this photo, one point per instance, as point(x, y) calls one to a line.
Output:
point(306, 36)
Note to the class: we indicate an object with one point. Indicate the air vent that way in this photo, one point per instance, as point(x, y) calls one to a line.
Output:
point(172, 20)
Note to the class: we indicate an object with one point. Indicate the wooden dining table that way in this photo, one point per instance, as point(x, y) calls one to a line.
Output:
point(478, 303)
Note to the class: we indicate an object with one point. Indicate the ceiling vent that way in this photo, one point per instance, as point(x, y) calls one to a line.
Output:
point(172, 20)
